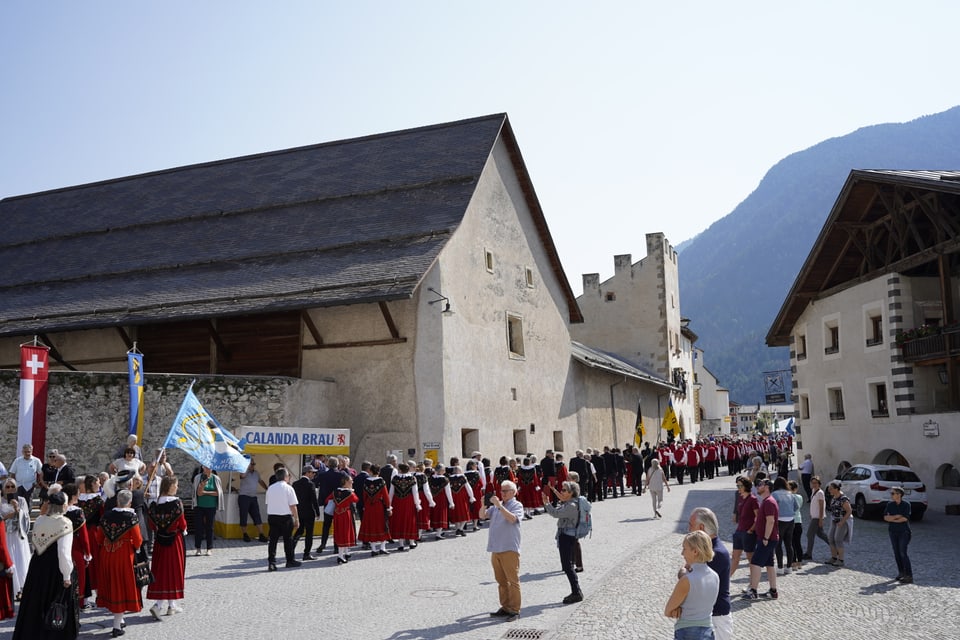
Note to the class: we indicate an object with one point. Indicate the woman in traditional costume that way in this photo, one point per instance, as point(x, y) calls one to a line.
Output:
point(16, 520)
point(90, 501)
point(463, 498)
point(80, 552)
point(422, 474)
point(376, 510)
point(344, 529)
point(442, 501)
point(51, 574)
point(405, 500)
point(165, 517)
point(119, 538)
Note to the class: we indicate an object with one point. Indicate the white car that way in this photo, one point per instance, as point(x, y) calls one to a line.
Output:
point(868, 488)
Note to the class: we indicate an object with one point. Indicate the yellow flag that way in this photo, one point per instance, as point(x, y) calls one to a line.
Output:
point(670, 422)
point(639, 433)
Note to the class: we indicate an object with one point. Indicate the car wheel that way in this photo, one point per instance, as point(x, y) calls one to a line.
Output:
point(860, 507)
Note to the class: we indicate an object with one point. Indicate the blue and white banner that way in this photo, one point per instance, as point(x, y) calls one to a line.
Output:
point(201, 436)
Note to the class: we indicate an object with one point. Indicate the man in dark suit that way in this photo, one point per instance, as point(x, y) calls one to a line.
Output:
point(308, 508)
point(610, 464)
point(326, 482)
point(579, 465)
point(600, 490)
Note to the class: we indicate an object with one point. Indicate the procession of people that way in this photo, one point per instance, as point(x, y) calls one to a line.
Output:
point(376, 509)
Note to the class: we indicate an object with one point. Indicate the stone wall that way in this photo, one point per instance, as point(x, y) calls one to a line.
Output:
point(88, 413)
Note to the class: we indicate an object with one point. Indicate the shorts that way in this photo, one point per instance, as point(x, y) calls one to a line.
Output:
point(744, 541)
point(763, 554)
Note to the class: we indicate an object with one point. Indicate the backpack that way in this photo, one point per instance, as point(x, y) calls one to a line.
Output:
point(584, 520)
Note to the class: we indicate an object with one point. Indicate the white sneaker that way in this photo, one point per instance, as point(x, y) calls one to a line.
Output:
point(174, 608)
point(155, 612)
point(208, 553)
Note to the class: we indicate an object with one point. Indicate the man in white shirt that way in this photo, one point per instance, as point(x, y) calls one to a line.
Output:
point(25, 470)
point(282, 517)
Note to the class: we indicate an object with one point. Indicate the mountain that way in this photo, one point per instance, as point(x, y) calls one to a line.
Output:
point(735, 275)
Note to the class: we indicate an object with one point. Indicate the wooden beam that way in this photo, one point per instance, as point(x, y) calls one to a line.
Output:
point(217, 340)
point(358, 343)
point(311, 327)
point(55, 353)
point(125, 337)
point(389, 320)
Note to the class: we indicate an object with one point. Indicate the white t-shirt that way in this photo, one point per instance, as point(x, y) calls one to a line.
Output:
point(817, 502)
point(280, 497)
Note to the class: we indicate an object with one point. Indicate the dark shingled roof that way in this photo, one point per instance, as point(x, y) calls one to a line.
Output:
point(345, 222)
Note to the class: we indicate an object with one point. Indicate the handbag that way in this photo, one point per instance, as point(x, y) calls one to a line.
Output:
point(55, 617)
point(141, 569)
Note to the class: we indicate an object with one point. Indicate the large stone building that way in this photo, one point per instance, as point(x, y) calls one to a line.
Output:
point(636, 314)
point(412, 272)
point(872, 325)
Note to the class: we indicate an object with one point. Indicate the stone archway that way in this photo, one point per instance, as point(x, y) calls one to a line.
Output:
point(890, 456)
point(947, 476)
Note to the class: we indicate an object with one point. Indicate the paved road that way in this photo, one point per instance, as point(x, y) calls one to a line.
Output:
point(444, 589)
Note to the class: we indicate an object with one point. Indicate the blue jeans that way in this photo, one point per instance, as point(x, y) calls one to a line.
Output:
point(900, 541)
point(693, 633)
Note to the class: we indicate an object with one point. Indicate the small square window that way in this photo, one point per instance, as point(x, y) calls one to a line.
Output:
point(529, 277)
point(610, 296)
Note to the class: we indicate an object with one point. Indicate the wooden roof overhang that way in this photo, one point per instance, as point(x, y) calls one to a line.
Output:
point(882, 222)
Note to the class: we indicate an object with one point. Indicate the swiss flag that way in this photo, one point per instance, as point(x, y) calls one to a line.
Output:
point(32, 423)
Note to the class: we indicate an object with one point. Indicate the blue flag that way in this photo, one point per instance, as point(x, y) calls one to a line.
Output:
point(201, 436)
point(789, 429)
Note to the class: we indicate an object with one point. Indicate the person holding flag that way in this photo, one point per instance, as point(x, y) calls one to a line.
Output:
point(670, 423)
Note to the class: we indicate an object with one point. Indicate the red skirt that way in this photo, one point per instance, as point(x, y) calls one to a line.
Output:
point(373, 525)
point(403, 522)
point(439, 514)
point(423, 516)
point(461, 506)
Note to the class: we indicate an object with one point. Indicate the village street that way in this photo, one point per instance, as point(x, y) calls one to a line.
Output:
point(445, 589)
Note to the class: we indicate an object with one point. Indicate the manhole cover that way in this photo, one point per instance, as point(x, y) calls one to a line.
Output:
point(434, 593)
point(525, 634)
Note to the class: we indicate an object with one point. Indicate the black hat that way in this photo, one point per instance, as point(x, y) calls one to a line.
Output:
point(57, 498)
point(125, 475)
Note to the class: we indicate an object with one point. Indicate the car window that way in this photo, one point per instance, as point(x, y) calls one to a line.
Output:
point(850, 475)
point(897, 475)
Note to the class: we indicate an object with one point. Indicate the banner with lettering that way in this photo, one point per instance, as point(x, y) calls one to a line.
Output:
point(32, 421)
point(294, 440)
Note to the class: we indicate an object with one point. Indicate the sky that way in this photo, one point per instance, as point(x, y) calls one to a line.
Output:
point(632, 117)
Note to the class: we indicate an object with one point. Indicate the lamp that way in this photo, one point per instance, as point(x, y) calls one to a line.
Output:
point(447, 311)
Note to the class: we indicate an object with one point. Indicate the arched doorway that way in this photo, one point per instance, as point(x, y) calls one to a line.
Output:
point(890, 456)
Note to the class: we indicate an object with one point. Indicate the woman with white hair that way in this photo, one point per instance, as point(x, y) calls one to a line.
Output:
point(655, 482)
point(120, 538)
point(51, 575)
point(567, 513)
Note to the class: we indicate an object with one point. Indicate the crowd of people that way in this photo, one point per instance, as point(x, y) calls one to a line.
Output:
point(80, 551)
point(91, 528)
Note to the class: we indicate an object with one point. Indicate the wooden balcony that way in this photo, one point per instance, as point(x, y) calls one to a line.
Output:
point(934, 348)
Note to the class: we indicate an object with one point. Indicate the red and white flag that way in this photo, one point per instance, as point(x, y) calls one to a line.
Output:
point(32, 425)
